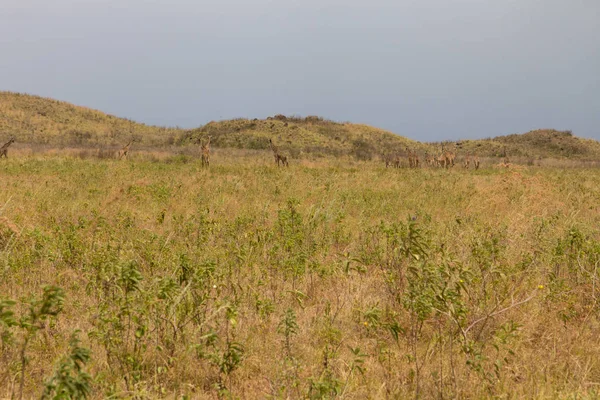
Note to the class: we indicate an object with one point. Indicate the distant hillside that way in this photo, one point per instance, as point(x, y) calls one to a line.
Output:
point(315, 135)
point(34, 119)
point(544, 143)
point(37, 120)
point(299, 136)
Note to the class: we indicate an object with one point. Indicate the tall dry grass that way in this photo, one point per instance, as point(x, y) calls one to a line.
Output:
point(330, 278)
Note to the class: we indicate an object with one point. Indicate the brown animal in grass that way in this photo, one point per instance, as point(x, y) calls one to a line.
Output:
point(205, 148)
point(124, 152)
point(4, 148)
point(280, 159)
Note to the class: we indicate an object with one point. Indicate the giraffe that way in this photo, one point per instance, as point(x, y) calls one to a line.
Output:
point(125, 150)
point(505, 159)
point(396, 161)
point(392, 160)
point(476, 162)
point(205, 147)
point(440, 160)
point(450, 156)
point(4, 148)
point(467, 161)
point(279, 158)
point(430, 160)
point(413, 158)
point(447, 158)
point(387, 158)
point(410, 157)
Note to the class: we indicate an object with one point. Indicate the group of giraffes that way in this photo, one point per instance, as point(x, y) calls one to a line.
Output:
point(445, 159)
point(280, 159)
point(204, 148)
point(395, 160)
point(120, 154)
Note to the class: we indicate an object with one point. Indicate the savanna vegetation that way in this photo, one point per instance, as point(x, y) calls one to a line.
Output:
point(42, 125)
point(329, 279)
point(162, 270)
point(42, 121)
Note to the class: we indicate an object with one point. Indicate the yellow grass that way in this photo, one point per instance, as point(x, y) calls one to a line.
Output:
point(488, 278)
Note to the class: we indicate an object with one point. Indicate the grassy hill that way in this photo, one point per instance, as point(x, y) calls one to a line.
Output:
point(34, 119)
point(37, 120)
point(299, 136)
point(544, 143)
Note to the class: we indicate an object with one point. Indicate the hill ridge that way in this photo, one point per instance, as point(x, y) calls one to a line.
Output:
point(35, 119)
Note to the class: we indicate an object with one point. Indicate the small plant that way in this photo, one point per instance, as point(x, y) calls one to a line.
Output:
point(122, 324)
point(40, 310)
point(34, 319)
point(358, 360)
point(294, 244)
point(225, 354)
point(70, 381)
point(326, 386)
point(288, 328)
point(7, 321)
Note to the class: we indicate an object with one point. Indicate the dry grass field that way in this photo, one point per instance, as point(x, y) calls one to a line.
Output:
point(154, 278)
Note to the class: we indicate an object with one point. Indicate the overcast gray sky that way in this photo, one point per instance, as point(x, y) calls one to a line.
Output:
point(426, 69)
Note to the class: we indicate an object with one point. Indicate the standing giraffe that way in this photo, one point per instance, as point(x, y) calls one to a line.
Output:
point(391, 160)
point(396, 160)
point(205, 147)
point(279, 158)
point(4, 149)
point(430, 159)
point(440, 160)
point(450, 156)
point(125, 150)
point(505, 159)
point(476, 162)
point(413, 158)
point(467, 161)
point(387, 159)
point(447, 158)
